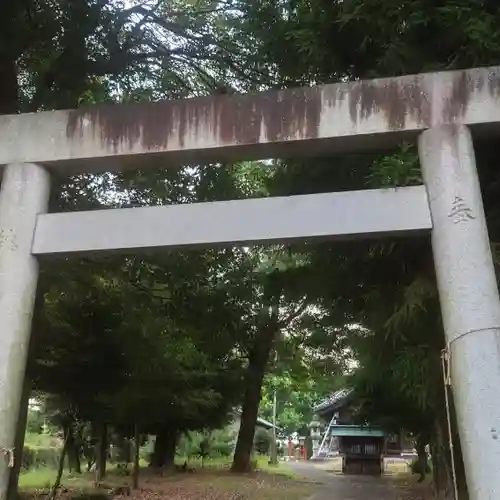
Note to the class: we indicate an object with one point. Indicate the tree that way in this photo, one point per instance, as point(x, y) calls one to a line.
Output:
point(275, 305)
point(64, 54)
point(378, 285)
point(132, 364)
point(61, 54)
point(241, 291)
point(302, 376)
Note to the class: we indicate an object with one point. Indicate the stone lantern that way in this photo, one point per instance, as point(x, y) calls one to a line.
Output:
point(315, 429)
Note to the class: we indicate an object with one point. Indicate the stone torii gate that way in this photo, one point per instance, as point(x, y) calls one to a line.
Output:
point(439, 110)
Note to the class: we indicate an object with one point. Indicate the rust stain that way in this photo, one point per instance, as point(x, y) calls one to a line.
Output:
point(395, 98)
point(236, 119)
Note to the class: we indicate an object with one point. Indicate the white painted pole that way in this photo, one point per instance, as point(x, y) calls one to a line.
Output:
point(274, 448)
point(470, 303)
point(24, 193)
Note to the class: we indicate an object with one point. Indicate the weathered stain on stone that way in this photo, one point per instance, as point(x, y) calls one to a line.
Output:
point(494, 83)
point(456, 104)
point(151, 123)
point(8, 240)
point(396, 99)
point(334, 94)
point(451, 135)
point(293, 113)
point(236, 119)
point(277, 116)
point(465, 84)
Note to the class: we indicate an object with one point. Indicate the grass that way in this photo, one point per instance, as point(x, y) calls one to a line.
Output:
point(44, 477)
point(42, 441)
point(282, 469)
point(212, 482)
point(37, 478)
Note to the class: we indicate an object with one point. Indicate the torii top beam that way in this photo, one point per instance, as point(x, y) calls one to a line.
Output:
point(305, 121)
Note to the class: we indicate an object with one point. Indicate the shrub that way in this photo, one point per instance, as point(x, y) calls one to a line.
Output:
point(222, 444)
point(146, 450)
point(35, 458)
point(216, 444)
point(254, 463)
point(262, 441)
point(189, 444)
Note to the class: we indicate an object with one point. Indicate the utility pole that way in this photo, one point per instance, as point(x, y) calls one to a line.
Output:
point(274, 458)
point(274, 451)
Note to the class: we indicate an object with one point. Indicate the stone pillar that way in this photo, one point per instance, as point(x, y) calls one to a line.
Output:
point(335, 445)
point(469, 299)
point(24, 193)
point(314, 427)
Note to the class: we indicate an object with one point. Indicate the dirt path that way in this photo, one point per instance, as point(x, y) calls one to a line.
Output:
point(334, 487)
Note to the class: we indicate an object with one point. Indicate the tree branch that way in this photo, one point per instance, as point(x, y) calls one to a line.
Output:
point(294, 314)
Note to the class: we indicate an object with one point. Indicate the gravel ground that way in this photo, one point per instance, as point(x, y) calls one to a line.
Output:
point(336, 487)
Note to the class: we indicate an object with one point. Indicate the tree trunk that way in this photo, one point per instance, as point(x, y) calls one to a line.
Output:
point(443, 480)
point(12, 489)
point(73, 451)
point(422, 457)
point(253, 385)
point(60, 469)
point(89, 449)
point(101, 450)
point(164, 449)
point(435, 465)
point(441, 459)
point(137, 444)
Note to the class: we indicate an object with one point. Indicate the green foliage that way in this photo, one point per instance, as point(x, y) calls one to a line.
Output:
point(387, 287)
point(189, 444)
point(391, 38)
point(398, 169)
point(36, 458)
point(222, 444)
point(167, 339)
point(40, 450)
point(296, 395)
point(71, 53)
point(262, 440)
point(207, 445)
point(36, 421)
